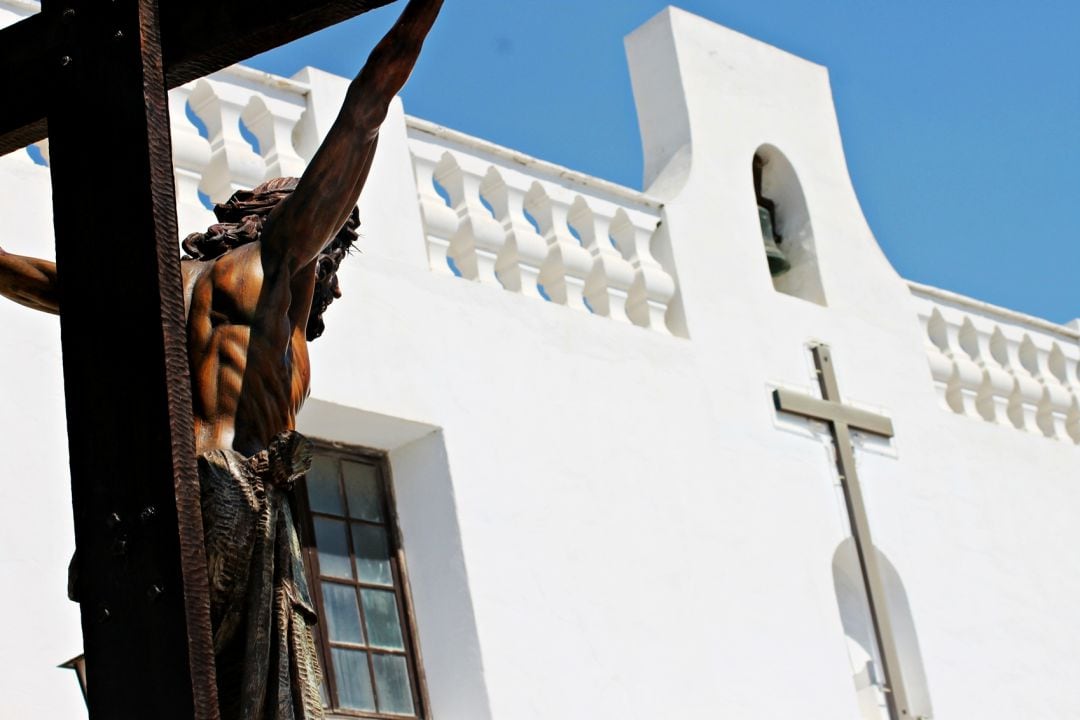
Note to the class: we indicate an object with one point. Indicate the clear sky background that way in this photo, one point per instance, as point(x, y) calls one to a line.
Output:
point(960, 118)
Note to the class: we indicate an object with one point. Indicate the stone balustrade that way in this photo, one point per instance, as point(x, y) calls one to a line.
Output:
point(490, 214)
point(500, 218)
point(1000, 366)
point(233, 130)
point(230, 131)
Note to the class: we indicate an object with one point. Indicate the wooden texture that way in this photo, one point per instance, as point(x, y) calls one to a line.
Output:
point(198, 37)
point(138, 525)
point(203, 36)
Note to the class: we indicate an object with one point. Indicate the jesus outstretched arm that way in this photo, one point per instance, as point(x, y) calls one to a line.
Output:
point(331, 185)
point(29, 281)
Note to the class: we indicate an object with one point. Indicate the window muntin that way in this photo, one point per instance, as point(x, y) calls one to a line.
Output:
point(367, 649)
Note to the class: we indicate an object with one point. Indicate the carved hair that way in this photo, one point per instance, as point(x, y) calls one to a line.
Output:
point(240, 221)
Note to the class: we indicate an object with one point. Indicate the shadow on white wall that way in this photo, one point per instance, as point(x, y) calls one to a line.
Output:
point(862, 648)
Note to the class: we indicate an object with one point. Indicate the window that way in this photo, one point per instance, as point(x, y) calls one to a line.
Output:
point(354, 563)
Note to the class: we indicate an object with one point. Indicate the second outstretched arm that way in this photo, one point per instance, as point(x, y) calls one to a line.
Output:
point(29, 281)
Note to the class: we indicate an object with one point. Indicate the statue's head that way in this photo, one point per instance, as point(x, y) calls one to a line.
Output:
point(240, 221)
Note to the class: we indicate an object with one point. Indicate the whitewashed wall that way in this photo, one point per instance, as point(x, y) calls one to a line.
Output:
point(603, 517)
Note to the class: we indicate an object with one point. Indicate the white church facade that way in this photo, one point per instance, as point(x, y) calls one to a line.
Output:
point(554, 480)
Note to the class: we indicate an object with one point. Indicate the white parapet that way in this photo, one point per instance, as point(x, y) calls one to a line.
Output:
point(1002, 366)
point(502, 218)
point(490, 214)
point(499, 217)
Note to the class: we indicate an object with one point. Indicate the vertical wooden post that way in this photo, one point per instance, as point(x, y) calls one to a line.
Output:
point(135, 489)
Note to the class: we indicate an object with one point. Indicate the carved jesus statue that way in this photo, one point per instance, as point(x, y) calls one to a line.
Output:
point(256, 286)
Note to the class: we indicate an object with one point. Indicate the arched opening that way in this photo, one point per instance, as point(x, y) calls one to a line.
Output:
point(786, 230)
point(859, 633)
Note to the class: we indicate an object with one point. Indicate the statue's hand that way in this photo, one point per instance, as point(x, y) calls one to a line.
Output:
point(29, 281)
point(286, 460)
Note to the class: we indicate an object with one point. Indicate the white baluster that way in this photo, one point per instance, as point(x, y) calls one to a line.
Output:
point(273, 123)
point(191, 155)
point(1056, 400)
point(233, 165)
point(653, 287)
point(942, 367)
point(525, 250)
point(568, 263)
point(478, 228)
point(997, 384)
point(969, 378)
point(440, 220)
point(954, 397)
point(1065, 368)
point(1028, 395)
point(478, 239)
point(1072, 421)
point(993, 354)
point(607, 286)
point(577, 261)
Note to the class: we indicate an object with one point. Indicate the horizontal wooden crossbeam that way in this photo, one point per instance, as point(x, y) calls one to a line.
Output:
point(832, 411)
point(198, 37)
point(24, 58)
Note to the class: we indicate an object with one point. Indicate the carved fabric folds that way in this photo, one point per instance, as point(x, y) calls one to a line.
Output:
point(267, 666)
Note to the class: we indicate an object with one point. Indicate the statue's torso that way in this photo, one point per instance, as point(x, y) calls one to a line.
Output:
point(247, 348)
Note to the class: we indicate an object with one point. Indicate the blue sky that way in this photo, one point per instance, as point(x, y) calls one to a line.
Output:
point(961, 118)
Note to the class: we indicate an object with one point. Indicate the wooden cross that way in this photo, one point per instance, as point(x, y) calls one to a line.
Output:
point(93, 75)
point(842, 419)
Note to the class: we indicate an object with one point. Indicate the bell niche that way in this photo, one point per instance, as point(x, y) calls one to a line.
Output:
point(786, 233)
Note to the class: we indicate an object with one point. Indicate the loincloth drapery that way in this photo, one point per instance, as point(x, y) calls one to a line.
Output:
point(267, 667)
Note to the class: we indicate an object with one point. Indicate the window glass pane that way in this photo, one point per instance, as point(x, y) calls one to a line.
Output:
point(324, 490)
point(380, 613)
point(363, 490)
point(392, 680)
point(356, 545)
point(372, 554)
point(353, 680)
point(333, 548)
point(324, 693)
point(342, 615)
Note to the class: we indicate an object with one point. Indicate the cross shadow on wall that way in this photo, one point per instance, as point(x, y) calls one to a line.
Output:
point(862, 648)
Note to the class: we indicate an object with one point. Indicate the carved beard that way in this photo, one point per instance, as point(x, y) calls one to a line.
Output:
point(323, 294)
point(315, 328)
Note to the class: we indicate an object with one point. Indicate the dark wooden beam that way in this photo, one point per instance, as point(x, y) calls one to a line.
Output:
point(203, 36)
point(25, 59)
point(142, 578)
point(198, 37)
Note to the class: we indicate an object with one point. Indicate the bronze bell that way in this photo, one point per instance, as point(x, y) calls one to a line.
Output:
point(766, 208)
point(778, 262)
